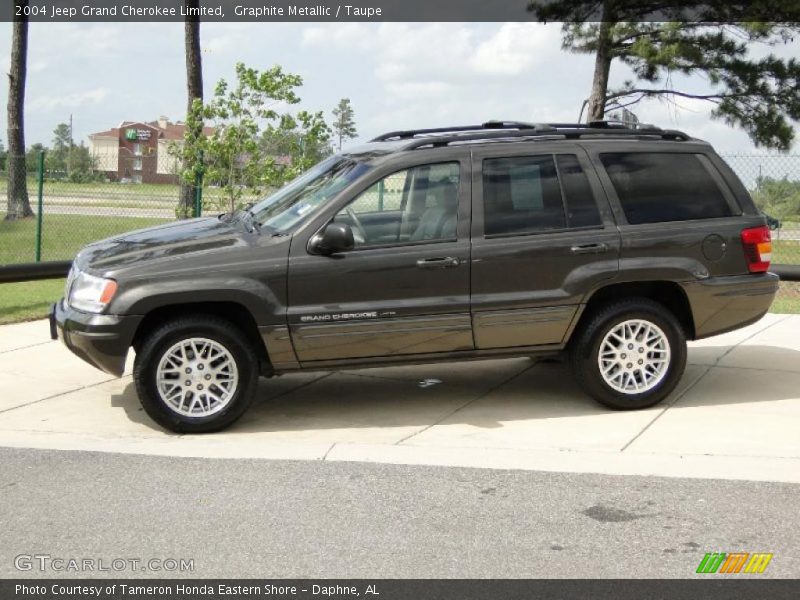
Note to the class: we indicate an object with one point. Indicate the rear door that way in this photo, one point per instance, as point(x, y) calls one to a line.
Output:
point(543, 236)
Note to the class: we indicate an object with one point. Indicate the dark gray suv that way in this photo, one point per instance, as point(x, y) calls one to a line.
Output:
point(610, 245)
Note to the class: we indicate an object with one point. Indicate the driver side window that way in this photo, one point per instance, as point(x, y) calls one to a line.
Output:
point(414, 205)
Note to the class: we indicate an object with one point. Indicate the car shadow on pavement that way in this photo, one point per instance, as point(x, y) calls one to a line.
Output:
point(486, 394)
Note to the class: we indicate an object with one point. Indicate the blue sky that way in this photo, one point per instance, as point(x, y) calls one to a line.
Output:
point(397, 75)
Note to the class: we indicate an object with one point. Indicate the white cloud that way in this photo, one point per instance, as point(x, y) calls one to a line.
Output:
point(515, 48)
point(439, 51)
point(341, 35)
point(46, 103)
point(397, 75)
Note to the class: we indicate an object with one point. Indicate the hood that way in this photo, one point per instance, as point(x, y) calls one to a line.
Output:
point(168, 241)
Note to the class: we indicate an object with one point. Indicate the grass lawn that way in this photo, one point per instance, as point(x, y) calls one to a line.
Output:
point(129, 194)
point(785, 252)
point(788, 298)
point(98, 187)
point(29, 300)
point(62, 235)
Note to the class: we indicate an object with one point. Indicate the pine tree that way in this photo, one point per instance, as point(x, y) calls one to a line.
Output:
point(761, 95)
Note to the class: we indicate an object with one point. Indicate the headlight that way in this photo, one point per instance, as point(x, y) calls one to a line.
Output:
point(90, 293)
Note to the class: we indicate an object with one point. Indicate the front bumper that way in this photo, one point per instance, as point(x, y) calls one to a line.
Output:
point(100, 340)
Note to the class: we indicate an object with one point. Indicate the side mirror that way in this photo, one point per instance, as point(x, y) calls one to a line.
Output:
point(336, 237)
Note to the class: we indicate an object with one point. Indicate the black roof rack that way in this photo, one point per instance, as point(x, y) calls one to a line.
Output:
point(498, 130)
point(489, 125)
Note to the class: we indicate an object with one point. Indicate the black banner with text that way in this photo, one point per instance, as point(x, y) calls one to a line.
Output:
point(714, 588)
point(398, 10)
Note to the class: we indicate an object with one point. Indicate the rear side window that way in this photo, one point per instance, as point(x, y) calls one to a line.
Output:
point(656, 187)
point(521, 195)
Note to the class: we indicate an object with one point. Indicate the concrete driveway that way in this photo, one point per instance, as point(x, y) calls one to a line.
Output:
point(735, 414)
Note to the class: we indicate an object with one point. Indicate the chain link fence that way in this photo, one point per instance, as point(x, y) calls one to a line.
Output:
point(115, 191)
point(774, 183)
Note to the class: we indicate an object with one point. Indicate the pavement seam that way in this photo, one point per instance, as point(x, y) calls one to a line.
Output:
point(299, 387)
point(328, 451)
point(689, 388)
point(77, 389)
point(738, 368)
point(696, 381)
point(466, 404)
point(26, 347)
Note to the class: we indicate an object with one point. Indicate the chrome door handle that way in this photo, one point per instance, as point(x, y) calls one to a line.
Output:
point(438, 263)
point(589, 248)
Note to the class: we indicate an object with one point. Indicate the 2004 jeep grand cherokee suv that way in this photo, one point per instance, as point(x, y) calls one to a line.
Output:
point(609, 244)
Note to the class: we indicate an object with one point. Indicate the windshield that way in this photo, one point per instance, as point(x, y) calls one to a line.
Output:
point(288, 206)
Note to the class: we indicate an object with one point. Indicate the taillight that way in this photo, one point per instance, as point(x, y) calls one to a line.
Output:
point(757, 244)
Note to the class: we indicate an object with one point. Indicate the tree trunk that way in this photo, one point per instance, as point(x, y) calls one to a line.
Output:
point(194, 91)
point(602, 67)
point(19, 206)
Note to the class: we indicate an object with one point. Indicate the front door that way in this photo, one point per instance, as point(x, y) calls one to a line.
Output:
point(543, 237)
point(404, 288)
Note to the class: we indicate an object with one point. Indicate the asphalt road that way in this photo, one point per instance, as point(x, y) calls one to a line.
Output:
point(246, 518)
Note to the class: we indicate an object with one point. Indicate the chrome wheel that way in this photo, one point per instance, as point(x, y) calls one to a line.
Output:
point(634, 356)
point(197, 377)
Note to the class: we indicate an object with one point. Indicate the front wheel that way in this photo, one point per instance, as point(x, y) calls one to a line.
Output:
point(630, 355)
point(196, 374)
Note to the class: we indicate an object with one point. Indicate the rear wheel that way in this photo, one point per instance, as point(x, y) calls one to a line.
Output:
point(630, 354)
point(196, 374)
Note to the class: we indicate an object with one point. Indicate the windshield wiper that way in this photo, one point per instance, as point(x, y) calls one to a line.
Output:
point(253, 220)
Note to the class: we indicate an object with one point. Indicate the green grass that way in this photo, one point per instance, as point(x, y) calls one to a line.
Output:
point(133, 194)
point(788, 299)
point(785, 252)
point(29, 300)
point(53, 187)
point(62, 235)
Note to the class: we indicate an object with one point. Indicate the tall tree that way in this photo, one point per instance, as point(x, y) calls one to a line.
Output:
point(18, 204)
point(761, 95)
point(344, 124)
point(233, 157)
point(194, 95)
point(62, 144)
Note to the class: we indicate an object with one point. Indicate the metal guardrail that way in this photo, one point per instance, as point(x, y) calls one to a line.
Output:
point(787, 272)
point(34, 271)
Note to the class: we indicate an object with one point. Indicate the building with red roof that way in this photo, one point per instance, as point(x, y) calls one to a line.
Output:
point(138, 151)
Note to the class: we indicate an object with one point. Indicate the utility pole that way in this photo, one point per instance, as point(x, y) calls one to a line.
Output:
point(69, 150)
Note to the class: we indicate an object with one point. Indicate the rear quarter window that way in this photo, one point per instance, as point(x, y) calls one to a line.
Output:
point(656, 187)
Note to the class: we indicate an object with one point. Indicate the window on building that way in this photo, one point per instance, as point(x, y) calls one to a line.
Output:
point(137, 164)
point(137, 149)
point(655, 187)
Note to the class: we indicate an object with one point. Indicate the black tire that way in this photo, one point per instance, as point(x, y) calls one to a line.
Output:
point(165, 336)
point(586, 346)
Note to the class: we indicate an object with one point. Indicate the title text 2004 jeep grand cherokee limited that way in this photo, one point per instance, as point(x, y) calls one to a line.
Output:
point(613, 245)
